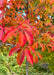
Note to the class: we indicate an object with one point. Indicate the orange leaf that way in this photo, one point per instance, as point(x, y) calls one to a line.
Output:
point(29, 56)
point(35, 58)
point(51, 1)
point(49, 45)
point(18, 6)
point(22, 6)
point(20, 57)
point(29, 37)
point(31, 49)
point(35, 30)
point(36, 45)
point(27, 26)
point(40, 56)
point(49, 49)
point(22, 38)
point(43, 47)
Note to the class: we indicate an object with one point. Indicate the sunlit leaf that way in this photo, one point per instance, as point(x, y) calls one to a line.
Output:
point(29, 56)
point(31, 49)
point(53, 48)
point(40, 56)
point(13, 50)
point(20, 57)
point(29, 37)
point(22, 38)
point(35, 59)
point(8, 34)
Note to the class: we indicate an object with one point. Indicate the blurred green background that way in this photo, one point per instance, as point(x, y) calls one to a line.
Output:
point(9, 66)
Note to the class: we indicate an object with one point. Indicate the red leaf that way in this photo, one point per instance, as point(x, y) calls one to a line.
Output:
point(13, 50)
point(1, 2)
point(29, 37)
point(8, 29)
point(29, 56)
point(1, 34)
point(22, 38)
point(20, 57)
point(52, 48)
point(43, 47)
point(31, 49)
point(8, 35)
point(35, 58)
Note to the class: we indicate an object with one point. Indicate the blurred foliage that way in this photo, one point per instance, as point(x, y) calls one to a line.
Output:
point(9, 66)
point(49, 58)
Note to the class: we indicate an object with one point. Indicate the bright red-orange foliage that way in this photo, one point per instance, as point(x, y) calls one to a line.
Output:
point(27, 28)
